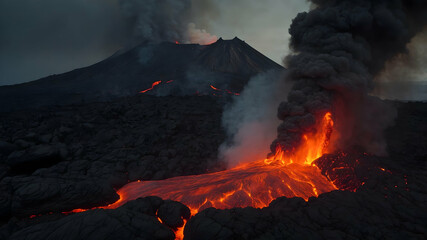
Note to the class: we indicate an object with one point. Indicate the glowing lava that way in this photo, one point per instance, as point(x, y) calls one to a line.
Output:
point(254, 184)
point(152, 86)
point(227, 91)
point(314, 145)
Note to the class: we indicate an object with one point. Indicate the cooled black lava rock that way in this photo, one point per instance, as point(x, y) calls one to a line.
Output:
point(62, 158)
point(33, 158)
point(144, 138)
point(6, 148)
point(173, 214)
point(134, 220)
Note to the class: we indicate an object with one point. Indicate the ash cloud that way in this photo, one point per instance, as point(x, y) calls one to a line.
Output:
point(249, 121)
point(404, 76)
point(339, 47)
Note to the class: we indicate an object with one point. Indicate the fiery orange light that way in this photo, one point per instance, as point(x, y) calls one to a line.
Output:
point(253, 184)
point(214, 88)
point(179, 233)
point(227, 91)
point(152, 87)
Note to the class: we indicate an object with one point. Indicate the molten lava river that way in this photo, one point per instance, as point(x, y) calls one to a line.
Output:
point(253, 184)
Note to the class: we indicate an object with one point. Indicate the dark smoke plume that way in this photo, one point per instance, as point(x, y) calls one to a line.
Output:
point(339, 47)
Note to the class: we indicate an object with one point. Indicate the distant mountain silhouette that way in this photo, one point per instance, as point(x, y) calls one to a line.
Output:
point(225, 64)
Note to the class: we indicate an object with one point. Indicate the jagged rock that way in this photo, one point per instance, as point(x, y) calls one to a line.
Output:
point(27, 161)
point(173, 213)
point(41, 195)
point(130, 221)
point(390, 203)
point(6, 148)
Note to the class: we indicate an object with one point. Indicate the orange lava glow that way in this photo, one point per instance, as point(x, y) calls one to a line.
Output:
point(226, 91)
point(254, 184)
point(152, 86)
point(179, 233)
point(314, 145)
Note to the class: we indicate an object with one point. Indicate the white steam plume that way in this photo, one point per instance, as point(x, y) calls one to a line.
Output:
point(250, 121)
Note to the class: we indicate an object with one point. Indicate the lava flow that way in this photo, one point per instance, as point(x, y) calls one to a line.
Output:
point(253, 184)
point(153, 85)
point(226, 91)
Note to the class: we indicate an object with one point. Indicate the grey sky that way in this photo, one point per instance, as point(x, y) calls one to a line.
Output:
point(40, 38)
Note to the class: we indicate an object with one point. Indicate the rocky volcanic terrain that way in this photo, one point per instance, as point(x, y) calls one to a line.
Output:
point(57, 159)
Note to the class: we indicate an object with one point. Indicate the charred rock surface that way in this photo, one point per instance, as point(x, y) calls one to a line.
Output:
point(59, 159)
point(385, 197)
point(135, 220)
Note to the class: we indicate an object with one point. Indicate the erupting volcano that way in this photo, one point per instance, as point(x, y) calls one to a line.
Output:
point(217, 141)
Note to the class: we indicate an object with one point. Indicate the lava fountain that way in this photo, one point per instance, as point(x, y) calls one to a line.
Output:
point(253, 184)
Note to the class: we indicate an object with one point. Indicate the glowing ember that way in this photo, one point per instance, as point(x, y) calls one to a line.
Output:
point(227, 91)
point(155, 84)
point(214, 88)
point(152, 87)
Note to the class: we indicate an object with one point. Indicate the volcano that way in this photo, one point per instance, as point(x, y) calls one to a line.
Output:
point(187, 68)
point(146, 166)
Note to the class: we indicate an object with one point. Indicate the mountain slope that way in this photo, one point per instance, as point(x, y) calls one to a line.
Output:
point(226, 64)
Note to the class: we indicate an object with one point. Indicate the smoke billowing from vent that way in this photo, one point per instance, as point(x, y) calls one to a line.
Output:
point(164, 20)
point(340, 46)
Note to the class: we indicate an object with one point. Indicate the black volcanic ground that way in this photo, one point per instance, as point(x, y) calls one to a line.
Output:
point(70, 141)
point(59, 158)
